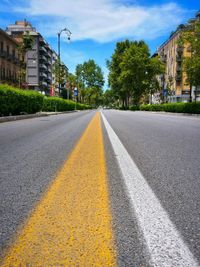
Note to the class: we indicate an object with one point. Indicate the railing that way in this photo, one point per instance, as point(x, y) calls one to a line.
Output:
point(49, 62)
point(41, 40)
point(43, 83)
point(3, 53)
point(43, 58)
point(42, 74)
point(42, 66)
point(43, 49)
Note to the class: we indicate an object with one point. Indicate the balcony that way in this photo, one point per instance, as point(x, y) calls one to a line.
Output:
point(3, 54)
point(186, 92)
point(42, 41)
point(164, 58)
point(49, 77)
point(49, 54)
point(14, 59)
point(43, 83)
point(43, 49)
point(178, 77)
point(49, 70)
point(8, 57)
point(43, 66)
point(179, 49)
point(43, 58)
point(49, 81)
point(49, 62)
point(43, 75)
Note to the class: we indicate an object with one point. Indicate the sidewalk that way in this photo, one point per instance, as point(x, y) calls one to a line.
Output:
point(30, 116)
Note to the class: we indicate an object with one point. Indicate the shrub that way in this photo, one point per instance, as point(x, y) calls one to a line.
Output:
point(174, 107)
point(123, 108)
point(80, 106)
point(57, 104)
point(60, 104)
point(134, 107)
point(15, 101)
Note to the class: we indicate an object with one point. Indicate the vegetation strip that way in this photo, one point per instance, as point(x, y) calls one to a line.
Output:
point(14, 101)
point(71, 226)
point(192, 108)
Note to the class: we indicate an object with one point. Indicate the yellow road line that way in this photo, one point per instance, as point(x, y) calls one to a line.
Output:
point(71, 226)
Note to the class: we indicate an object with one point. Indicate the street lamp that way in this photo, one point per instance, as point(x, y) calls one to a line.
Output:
point(67, 31)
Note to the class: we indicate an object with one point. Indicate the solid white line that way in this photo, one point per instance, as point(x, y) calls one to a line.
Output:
point(165, 245)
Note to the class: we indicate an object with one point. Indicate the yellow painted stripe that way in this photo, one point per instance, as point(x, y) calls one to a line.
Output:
point(71, 226)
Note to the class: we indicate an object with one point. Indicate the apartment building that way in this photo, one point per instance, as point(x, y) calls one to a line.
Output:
point(38, 59)
point(9, 59)
point(174, 80)
point(174, 84)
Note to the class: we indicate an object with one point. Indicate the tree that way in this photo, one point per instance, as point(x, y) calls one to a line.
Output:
point(133, 72)
point(71, 84)
point(60, 73)
point(25, 45)
point(114, 71)
point(90, 81)
point(90, 74)
point(109, 98)
point(190, 38)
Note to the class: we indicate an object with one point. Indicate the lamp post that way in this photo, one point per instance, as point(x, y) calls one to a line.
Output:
point(67, 31)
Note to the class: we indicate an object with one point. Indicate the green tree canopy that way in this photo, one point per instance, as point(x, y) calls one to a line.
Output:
point(133, 71)
point(90, 81)
point(25, 45)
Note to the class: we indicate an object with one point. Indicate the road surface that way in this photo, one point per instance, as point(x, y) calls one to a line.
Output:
point(100, 188)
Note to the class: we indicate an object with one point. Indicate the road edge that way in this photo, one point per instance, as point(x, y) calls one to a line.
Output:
point(31, 116)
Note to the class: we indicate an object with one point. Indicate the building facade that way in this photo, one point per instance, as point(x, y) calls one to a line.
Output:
point(9, 60)
point(38, 59)
point(174, 84)
point(174, 81)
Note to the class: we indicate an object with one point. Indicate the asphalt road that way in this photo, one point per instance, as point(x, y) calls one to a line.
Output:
point(165, 148)
point(31, 153)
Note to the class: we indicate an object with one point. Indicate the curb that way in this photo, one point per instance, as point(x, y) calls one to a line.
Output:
point(31, 116)
point(173, 113)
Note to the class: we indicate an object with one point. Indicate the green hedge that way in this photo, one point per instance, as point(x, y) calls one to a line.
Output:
point(80, 106)
point(59, 104)
point(15, 101)
point(174, 107)
point(134, 107)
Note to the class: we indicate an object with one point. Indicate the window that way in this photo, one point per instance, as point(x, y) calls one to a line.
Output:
point(1, 46)
point(8, 50)
point(3, 73)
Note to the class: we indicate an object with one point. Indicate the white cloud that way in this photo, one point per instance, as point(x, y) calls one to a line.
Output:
point(103, 20)
point(73, 57)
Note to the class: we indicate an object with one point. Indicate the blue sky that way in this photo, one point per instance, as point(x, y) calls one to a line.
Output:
point(97, 25)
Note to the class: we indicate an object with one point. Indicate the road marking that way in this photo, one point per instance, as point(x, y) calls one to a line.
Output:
point(71, 226)
point(165, 245)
